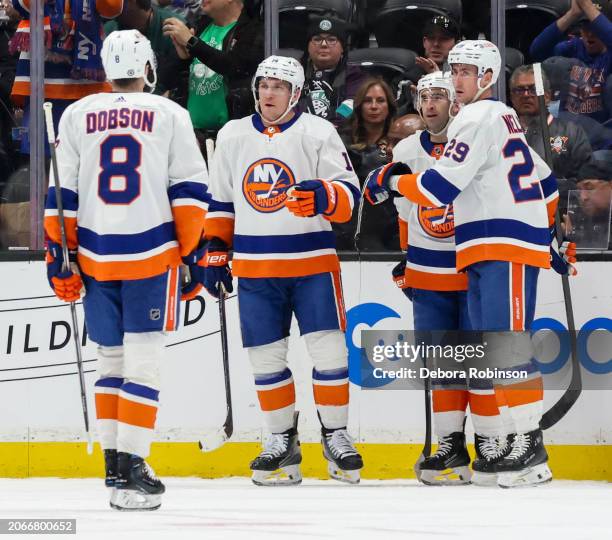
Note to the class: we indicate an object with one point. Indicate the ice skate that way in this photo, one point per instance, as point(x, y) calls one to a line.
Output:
point(110, 465)
point(279, 462)
point(489, 452)
point(527, 462)
point(136, 487)
point(450, 465)
point(343, 460)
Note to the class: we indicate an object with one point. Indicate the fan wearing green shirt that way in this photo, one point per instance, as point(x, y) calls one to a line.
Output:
point(224, 51)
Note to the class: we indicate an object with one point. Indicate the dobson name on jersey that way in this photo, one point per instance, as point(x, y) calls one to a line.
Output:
point(162, 181)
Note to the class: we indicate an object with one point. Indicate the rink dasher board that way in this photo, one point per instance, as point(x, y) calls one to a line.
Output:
point(41, 419)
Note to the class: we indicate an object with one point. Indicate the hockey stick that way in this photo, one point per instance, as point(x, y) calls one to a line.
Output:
point(48, 107)
point(426, 452)
point(567, 400)
point(219, 437)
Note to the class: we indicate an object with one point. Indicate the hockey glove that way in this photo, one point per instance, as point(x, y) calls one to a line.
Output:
point(195, 261)
point(311, 197)
point(399, 277)
point(217, 269)
point(67, 284)
point(562, 261)
point(377, 183)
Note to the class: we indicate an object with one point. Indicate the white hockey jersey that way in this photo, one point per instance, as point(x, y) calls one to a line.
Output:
point(500, 187)
point(133, 185)
point(252, 168)
point(430, 232)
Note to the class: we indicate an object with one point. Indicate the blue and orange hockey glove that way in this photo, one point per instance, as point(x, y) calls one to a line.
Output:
point(399, 277)
point(195, 261)
point(563, 261)
point(66, 284)
point(311, 197)
point(377, 183)
point(217, 270)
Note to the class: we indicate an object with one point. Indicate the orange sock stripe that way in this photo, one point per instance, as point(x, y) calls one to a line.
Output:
point(339, 300)
point(136, 414)
point(449, 400)
point(277, 398)
point(331, 395)
point(106, 406)
point(483, 404)
point(517, 299)
point(524, 392)
point(500, 396)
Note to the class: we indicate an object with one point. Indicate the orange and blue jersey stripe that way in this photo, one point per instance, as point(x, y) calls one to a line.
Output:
point(502, 240)
point(285, 255)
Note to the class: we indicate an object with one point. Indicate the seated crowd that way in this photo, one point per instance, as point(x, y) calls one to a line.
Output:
point(207, 52)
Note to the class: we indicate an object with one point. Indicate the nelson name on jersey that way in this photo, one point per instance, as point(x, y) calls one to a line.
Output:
point(105, 120)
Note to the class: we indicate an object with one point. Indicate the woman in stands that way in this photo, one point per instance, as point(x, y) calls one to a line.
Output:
point(365, 136)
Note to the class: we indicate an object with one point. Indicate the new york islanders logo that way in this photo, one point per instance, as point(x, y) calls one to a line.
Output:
point(437, 222)
point(265, 184)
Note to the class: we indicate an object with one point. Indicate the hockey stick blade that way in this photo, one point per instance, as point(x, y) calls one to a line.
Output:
point(213, 441)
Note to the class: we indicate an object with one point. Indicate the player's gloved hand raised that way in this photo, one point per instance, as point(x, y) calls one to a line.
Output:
point(217, 270)
point(399, 277)
point(311, 197)
point(195, 261)
point(376, 187)
point(562, 261)
point(67, 284)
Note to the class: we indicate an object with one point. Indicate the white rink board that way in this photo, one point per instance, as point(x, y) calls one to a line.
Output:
point(48, 409)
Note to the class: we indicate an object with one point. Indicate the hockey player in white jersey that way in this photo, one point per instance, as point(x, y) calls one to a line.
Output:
point(427, 275)
point(504, 201)
point(134, 196)
point(278, 179)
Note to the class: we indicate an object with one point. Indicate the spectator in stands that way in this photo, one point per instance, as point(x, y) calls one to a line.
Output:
point(365, 137)
point(329, 81)
point(73, 68)
point(569, 143)
point(595, 185)
point(593, 49)
point(223, 55)
point(142, 15)
point(439, 37)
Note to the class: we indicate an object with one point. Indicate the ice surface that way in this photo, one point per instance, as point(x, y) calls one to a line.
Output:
point(235, 509)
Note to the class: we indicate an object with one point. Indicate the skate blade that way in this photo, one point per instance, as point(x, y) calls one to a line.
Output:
point(129, 500)
point(532, 476)
point(348, 477)
point(484, 479)
point(289, 475)
point(453, 476)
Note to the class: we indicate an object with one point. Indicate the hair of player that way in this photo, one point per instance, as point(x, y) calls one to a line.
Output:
point(527, 69)
point(358, 131)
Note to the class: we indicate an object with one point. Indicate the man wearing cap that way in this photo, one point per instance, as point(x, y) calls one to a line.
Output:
point(595, 185)
point(569, 144)
point(593, 48)
point(439, 37)
point(329, 81)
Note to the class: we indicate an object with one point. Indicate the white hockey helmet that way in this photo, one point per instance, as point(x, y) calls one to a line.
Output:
point(480, 53)
point(285, 69)
point(125, 55)
point(440, 80)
